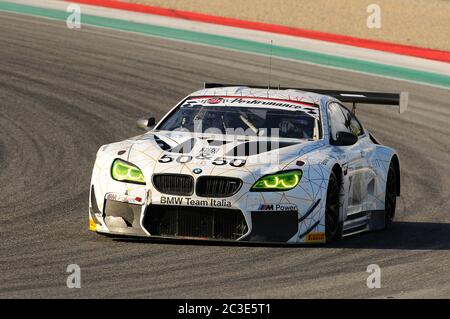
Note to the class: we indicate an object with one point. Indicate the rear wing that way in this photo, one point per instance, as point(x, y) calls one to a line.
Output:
point(397, 100)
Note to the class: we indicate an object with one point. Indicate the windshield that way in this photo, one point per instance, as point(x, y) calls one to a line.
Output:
point(257, 121)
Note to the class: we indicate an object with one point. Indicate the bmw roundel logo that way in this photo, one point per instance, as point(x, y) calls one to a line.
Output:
point(197, 170)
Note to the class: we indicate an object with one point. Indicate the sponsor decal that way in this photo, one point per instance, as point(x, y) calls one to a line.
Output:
point(215, 100)
point(92, 225)
point(263, 102)
point(171, 200)
point(220, 203)
point(306, 107)
point(315, 238)
point(208, 152)
point(278, 207)
point(188, 201)
point(124, 198)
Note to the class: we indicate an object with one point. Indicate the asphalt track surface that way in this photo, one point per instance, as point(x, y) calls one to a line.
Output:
point(63, 93)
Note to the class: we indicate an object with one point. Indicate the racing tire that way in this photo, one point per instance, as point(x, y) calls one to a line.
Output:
point(390, 196)
point(333, 226)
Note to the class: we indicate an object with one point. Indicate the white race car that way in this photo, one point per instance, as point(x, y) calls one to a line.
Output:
point(250, 164)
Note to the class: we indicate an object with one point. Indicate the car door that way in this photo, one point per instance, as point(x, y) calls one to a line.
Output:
point(352, 157)
point(367, 173)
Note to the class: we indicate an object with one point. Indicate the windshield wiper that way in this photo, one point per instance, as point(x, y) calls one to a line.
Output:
point(249, 124)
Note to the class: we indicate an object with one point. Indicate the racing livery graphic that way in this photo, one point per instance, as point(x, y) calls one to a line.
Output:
point(240, 163)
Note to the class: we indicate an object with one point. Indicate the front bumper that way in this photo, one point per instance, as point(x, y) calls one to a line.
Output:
point(126, 215)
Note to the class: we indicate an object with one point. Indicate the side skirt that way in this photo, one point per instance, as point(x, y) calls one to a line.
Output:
point(363, 221)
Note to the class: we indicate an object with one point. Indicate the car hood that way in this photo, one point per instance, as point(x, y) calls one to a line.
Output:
point(175, 151)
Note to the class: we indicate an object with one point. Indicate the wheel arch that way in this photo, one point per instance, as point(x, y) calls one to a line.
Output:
point(395, 161)
point(337, 170)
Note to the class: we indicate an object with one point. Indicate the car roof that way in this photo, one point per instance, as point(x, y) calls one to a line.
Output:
point(245, 91)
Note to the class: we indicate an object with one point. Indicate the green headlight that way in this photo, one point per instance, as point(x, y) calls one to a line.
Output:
point(278, 182)
point(126, 172)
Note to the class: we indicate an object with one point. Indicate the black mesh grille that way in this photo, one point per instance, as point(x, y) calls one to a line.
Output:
point(195, 222)
point(216, 186)
point(174, 184)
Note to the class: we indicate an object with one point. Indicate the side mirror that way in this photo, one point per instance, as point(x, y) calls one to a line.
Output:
point(146, 123)
point(344, 139)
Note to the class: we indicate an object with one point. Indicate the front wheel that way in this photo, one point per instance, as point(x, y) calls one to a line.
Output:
point(333, 226)
point(391, 196)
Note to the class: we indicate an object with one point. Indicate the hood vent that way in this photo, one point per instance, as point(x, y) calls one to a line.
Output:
point(255, 148)
point(217, 142)
point(163, 145)
point(185, 147)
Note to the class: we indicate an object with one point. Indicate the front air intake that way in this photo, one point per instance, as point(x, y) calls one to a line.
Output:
point(217, 186)
point(174, 184)
point(195, 222)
